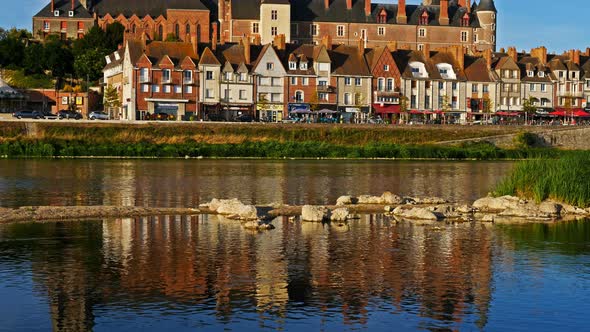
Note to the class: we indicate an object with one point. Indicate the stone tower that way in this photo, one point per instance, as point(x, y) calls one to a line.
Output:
point(487, 15)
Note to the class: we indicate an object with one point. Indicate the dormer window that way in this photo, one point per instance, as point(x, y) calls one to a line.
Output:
point(574, 75)
point(415, 70)
point(71, 13)
point(385, 67)
point(530, 73)
point(117, 56)
point(382, 18)
point(292, 65)
point(56, 13)
point(541, 74)
point(424, 18)
point(303, 66)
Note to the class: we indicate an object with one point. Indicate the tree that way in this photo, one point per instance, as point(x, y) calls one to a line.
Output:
point(90, 64)
point(111, 97)
point(32, 62)
point(114, 35)
point(528, 106)
point(58, 57)
point(488, 106)
point(403, 107)
point(314, 102)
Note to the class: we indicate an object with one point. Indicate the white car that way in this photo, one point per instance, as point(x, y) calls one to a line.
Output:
point(98, 116)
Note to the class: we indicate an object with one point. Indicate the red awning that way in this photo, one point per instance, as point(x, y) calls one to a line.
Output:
point(581, 114)
point(507, 113)
point(557, 113)
point(415, 112)
point(387, 109)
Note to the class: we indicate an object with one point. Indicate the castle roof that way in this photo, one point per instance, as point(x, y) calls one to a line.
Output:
point(64, 7)
point(487, 5)
point(141, 8)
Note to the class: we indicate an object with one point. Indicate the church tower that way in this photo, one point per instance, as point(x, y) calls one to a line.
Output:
point(487, 15)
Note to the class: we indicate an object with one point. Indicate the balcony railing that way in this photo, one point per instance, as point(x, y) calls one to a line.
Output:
point(326, 88)
point(386, 93)
point(144, 79)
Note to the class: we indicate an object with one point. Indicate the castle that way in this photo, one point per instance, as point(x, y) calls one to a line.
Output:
point(433, 24)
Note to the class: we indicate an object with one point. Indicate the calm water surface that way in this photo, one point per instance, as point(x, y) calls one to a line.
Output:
point(185, 183)
point(208, 274)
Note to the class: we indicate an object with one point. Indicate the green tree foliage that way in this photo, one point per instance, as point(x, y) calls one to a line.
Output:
point(172, 38)
point(111, 97)
point(58, 57)
point(89, 64)
point(33, 61)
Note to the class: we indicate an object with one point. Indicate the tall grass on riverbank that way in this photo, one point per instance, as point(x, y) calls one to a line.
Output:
point(566, 179)
point(268, 149)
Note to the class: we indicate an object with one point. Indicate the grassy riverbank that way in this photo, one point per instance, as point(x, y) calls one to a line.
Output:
point(74, 139)
point(566, 179)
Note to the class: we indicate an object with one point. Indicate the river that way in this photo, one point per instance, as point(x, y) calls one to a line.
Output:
point(209, 274)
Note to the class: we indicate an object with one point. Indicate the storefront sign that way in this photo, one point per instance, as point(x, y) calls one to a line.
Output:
point(270, 107)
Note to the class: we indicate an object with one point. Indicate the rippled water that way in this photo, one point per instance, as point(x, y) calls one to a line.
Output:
point(183, 183)
point(206, 274)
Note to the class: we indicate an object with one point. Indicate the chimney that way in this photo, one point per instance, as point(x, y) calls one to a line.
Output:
point(367, 7)
point(326, 4)
point(221, 13)
point(513, 54)
point(487, 54)
point(587, 53)
point(577, 57)
point(444, 12)
point(402, 18)
point(349, 4)
point(392, 45)
point(327, 42)
point(222, 39)
point(52, 6)
point(465, 4)
point(279, 42)
point(246, 43)
point(257, 40)
point(214, 41)
point(361, 47)
point(73, 5)
point(540, 53)
point(426, 51)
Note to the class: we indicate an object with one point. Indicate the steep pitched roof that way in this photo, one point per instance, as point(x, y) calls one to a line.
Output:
point(208, 58)
point(141, 8)
point(64, 6)
point(476, 70)
point(348, 60)
point(176, 51)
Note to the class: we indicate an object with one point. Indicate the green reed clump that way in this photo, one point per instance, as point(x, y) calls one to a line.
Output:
point(566, 179)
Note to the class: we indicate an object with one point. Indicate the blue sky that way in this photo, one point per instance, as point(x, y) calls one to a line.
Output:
point(560, 25)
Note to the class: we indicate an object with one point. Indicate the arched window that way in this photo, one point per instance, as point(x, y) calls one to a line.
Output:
point(160, 32)
point(188, 29)
point(381, 84)
point(177, 30)
point(198, 33)
point(424, 18)
point(133, 28)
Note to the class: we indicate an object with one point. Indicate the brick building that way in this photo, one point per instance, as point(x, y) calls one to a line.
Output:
point(69, 19)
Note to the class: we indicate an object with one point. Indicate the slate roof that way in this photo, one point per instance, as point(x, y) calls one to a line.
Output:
point(487, 5)
point(64, 6)
point(347, 60)
point(476, 70)
point(114, 62)
point(141, 8)
point(314, 10)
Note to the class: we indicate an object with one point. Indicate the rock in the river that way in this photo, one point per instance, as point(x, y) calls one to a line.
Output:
point(550, 208)
point(488, 218)
point(573, 210)
point(344, 200)
point(430, 200)
point(368, 199)
point(258, 225)
point(235, 209)
point(465, 209)
point(389, 198)
point(388, 209)
point(415, 213)
point(314, 213)
point(340, 214)
point(489, 204)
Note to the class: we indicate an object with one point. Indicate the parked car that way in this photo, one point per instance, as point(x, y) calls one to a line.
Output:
point(50, 116)
point(244, 118)
point(161, 117)
point(98, 116)
point(69, 115)
point(27, 114)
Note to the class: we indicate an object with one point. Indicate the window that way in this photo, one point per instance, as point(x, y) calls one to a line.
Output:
point(275, 97)
point(160, 32)
point(177, 30)
point(80, 26)
point(209, 75)
point(63, 25)
point(304, 81)
point(486, 88)
point(357, 81)
point(298, 96)
point(270, 66)
point(424, 18)
point(415, 70)
point(441, 85)
point(464, 36)
point(187, 76)
point(530, 73)
point(166, 75)
point(188, 89)
point(45, 25)
point(295, 29)
point(292, 65)
point(276, 81)
point(382, 18)
point(323, 96)
point(413, 100)
point(293, 80)
point(177, 89)
point(543, 87)
point(541, 74)
point(465, 20)
point(422, 32)
point(303, 65)
point(381, 31)
point(474, 88)
point(145, 88)
point(274, 15)
point(454, 85)
point(420, 47)
point(155, 88)
point(314, 30)
point(347, 99)
point(532, 87)
point(475, 38)
point(228, 76)
point(243, 95)
point(167, 89)
point(144, 74)
point(381, 84)
point(515, 74)
point(340, 31)
point(385, 67)
point(226, 94)
point(390, 84)
point(273, 31)
point(208, 93)
point(255, 28)
point(187, 29)
point(347, 81)
point(514, 87)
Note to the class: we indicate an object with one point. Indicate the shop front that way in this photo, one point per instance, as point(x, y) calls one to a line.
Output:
point(166, 109)
point(354, 114)
point(269, 112)
point(388, 112)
